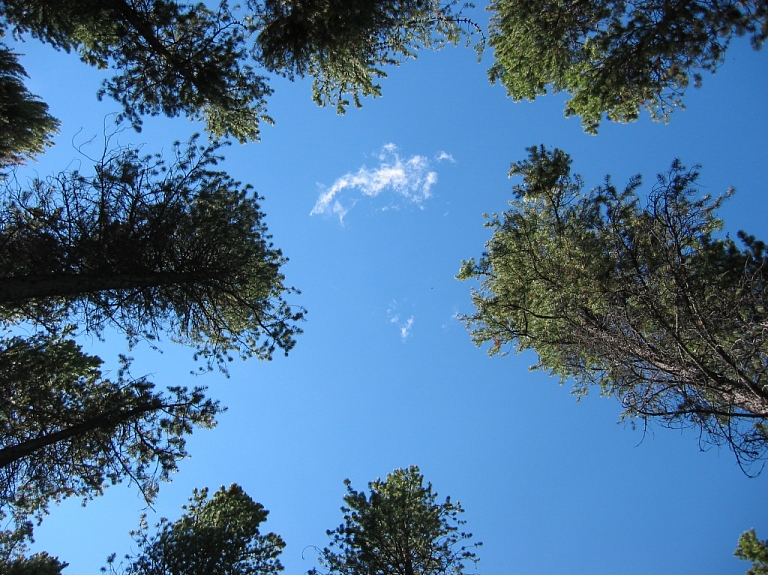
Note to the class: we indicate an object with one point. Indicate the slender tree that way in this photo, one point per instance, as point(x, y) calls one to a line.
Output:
point(643, 301)
point(615, 58)
point(398, 529)
point(147, 247)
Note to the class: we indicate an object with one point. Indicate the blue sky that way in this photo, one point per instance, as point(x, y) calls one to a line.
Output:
point(375, 210)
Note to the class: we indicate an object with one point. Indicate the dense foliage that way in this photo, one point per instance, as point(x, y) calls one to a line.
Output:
point(216, 536)
point(150, 248)
point(344, 44)
point(643, 301)
point(398, 529)
point(615, 58)
point(752, 549)
point(202, 61)
point(211, 61)
point(27, 126)
point(37, 564)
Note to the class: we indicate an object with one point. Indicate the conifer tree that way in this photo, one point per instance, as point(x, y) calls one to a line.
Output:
point(752, 549)
point(646, 303)
point(26, 127)
point(148, 247)
point(399, 528)
point(68, 431)
point(214, 536)
point(616, 58)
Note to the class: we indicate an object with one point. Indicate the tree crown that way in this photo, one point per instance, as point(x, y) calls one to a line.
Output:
point(148, 247)
point(216, 536)
point(643, 301)
point(615, 58)
point(399, 528)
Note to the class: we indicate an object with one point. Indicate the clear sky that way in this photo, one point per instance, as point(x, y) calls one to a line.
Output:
point(376, 211)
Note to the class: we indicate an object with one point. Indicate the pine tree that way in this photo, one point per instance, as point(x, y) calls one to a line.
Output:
point(644, 302)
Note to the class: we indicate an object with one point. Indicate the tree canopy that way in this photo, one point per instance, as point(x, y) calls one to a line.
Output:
point(216, 536)
point(211, 62)
point(37, 564)
point(203, 61)
point(344, 44)
point(398, 529)
point(13, 552)
point(615, 58)
point(646, 302)
point(147, 247)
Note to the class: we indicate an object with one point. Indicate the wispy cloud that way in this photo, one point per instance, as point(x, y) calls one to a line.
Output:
point(405, 327)
point(410, 180)
point(441, 156)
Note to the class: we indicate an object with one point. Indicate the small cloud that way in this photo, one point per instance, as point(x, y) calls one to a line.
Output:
point(405, 329)
point(444, 156)
point(394, 317)
point(410, 180)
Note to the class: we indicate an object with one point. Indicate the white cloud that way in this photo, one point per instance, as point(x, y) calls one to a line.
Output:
point(394, 317)
point(444, 156)
point(405, 329)
point(409, 179)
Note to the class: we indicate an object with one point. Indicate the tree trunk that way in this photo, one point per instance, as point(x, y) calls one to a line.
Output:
point(13, 453)
point(15, 290)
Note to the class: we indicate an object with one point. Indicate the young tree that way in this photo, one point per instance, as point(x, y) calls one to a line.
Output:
point(644, 302)
point(615, 58)
point(147, 247)
point(399, 529)
point(217, 536)
point(752, 549)
point(65, 430)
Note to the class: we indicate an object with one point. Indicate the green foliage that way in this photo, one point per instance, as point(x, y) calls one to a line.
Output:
point(25, 125)
point(644, 302)
point(217, 536)
point(14, 548)
point(37, 564)
point(343, 44)
point(147, 247)
point(65, 430)
point(615, 58)
point(752, 549)
point(399, 529)
point(191, 59)
point(169, 58)
point(185, 60)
